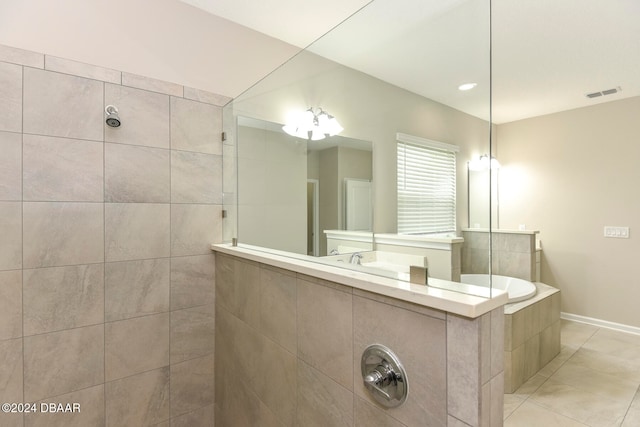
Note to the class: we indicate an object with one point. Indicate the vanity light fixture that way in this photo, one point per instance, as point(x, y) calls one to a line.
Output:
point(467, 86)
point(483, 163)
point(313, 125)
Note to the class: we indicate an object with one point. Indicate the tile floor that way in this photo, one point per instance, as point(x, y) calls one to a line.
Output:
point(594, 382)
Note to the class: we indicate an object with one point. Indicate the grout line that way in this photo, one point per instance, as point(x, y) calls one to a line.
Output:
point(170, 249)
point(104, 263)
point(22, 236)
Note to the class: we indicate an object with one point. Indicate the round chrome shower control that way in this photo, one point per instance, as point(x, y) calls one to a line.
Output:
point(384, 376)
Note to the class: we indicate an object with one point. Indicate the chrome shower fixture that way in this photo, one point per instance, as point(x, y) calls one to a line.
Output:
point(113, 119)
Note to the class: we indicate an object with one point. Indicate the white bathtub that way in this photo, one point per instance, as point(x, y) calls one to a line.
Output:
point(518, 289)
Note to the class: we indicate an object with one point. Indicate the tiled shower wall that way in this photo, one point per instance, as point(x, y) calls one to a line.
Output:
point(513, 254)
point(106, 276)
point(288, 350)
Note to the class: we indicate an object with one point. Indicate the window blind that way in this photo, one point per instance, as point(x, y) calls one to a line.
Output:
point(426, 186)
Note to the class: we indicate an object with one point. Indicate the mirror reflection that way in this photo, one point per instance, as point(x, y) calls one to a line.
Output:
point(418, 93)
point(483, 192)
point(303, 196)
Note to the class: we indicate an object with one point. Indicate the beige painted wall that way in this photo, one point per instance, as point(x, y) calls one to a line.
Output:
point(569, 174)
point(163, 39)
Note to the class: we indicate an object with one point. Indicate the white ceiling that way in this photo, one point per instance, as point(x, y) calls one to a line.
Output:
point(546, 54)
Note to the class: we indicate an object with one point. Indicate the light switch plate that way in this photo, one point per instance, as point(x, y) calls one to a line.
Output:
point(616, 232)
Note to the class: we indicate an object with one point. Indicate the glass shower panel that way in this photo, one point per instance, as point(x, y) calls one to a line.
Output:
point(396, 67)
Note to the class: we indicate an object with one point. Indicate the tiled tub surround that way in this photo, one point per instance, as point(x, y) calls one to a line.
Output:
point(290, 334)
point(106, 276)
point(513, 253)
point(532, 336)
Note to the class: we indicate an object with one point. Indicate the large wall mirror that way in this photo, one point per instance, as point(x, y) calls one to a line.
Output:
point(293, 192)
point(396, 71)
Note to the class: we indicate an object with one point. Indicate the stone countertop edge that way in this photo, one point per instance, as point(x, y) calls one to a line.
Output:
point(459, 303)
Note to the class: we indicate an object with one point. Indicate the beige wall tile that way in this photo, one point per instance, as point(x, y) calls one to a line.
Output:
point(11, 372)
point(91, 401)
point(239, 348)
point(497, 341)
point(61, 169)
point(325, 331)
point(66, 66)
point(154, 85)
point(478, 261)
point(454, 422)
point(278, 307)
point(321, 401)
point(194, 228)
point(11, 419)
point(236, 403)
point(138, 400)
point(515, 264)
point(192, 281)
point(195, 126)
point(508, 332)
point(144, 116)
point(136, 231)
point(549, 343)
point(136, 174)
point(421, 348)
point(11, 95)
point(514, 368)
point(276, 384)
point(136, 288)
point(247, 293)
point(203, 417)
point(368, 415)
point(207, 97)
point(485, 348)
point(513, 242)
point(463, 369)
point(226, 268)
point(60, 362)
point(21, 56)
point(11, 232)
point(196, 177)
point(10, 304)
point(192, 332)
point(10, 166)
point(268, 418)
point(62, 233)
point(63, 297)
point(192, 385)
point(54, 104)
point(401, 304)
point(517, 329)
point(531, 357)
point(136, 345)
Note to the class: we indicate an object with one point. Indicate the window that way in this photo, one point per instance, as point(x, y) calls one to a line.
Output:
point(426, 185)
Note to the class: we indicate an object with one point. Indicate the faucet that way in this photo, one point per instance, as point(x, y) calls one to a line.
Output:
point(355, 258)
point(334, 252)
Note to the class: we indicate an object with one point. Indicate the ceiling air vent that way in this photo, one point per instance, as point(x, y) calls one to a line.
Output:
point(604, 92)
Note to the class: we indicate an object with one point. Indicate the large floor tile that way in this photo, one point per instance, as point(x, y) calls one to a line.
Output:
point(589, 408)
point(531, 415)
point(620, 344)
point(607, 385)
point(574, 334)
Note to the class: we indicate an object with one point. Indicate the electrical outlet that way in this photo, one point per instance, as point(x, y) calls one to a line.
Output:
point(616, 232)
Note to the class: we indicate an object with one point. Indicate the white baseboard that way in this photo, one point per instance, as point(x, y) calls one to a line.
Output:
point(601, 323)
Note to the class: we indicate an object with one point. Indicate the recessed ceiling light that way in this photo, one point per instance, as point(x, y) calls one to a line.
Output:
point(467, 86)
